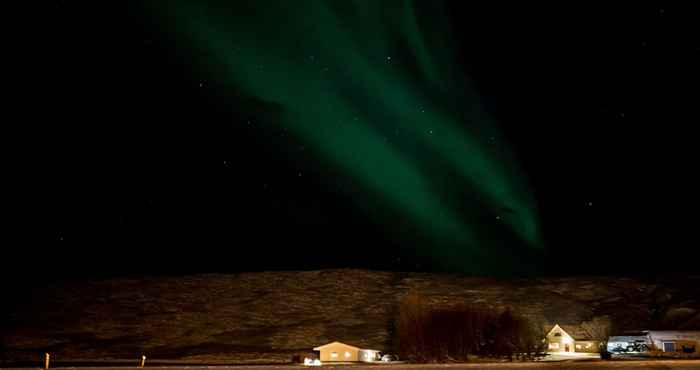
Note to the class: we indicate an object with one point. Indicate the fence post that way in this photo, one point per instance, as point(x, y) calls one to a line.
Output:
point(46, 361)
point(143, 361)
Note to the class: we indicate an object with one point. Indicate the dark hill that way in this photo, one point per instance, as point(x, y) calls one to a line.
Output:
point(268, 316)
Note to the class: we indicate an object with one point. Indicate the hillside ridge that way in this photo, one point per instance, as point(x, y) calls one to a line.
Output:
point(272, 315)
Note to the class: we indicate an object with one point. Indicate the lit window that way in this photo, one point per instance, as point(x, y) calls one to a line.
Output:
point(553, 345)
point(334, 354)
point(347, 354)
point(578, 346)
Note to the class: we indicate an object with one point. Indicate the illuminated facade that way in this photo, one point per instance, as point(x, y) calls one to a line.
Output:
point(341, 352)
point(559, 340)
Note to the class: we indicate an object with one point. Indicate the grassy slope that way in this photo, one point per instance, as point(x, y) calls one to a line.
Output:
point(271, 315)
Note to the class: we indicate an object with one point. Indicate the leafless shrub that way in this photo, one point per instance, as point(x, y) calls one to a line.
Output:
point(598, 328)
point(427, 334)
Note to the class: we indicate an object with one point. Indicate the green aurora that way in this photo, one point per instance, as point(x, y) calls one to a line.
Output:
point(373, 89)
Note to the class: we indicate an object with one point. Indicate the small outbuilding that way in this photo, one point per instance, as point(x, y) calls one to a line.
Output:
point(675, 341)
point(660, 342)
point(341, 352)
point(630, 342)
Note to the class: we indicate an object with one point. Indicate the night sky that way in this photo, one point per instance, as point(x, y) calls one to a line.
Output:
point(224, 136)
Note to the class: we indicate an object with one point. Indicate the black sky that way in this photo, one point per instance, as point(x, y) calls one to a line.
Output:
point(129, 166)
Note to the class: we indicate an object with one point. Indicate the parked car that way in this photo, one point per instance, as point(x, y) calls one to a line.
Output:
point(389, 357)
point(312, 362)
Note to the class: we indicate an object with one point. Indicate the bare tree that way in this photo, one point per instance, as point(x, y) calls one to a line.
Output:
point(448, 334)
point(598, 328)
point(410, 325)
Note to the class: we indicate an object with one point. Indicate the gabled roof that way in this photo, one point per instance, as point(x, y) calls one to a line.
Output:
point(626, 338)
point(336, 342)
point(556, 326)
point(575, 332)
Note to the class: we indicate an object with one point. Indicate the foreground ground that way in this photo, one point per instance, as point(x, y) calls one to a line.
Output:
point(599, 365)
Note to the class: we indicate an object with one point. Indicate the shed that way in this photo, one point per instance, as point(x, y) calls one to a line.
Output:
point(680, 341)
point(632, 342)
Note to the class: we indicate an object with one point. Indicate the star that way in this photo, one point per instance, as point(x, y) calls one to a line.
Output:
point(403, 169)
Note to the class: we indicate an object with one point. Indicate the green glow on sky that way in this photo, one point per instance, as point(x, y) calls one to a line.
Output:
point(373, 89)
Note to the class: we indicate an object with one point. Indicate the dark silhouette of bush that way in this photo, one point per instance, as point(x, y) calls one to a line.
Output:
point(410, 327)
point(599, 328)
point(427, 334)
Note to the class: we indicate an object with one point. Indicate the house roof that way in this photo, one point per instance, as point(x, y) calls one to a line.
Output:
point(336, 342)
point(675, 334)
point(572, 331)
point(558, 328)
point(626, 338)
point(576, 332)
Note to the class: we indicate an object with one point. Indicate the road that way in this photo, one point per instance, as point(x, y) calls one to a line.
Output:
point(598, 365)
